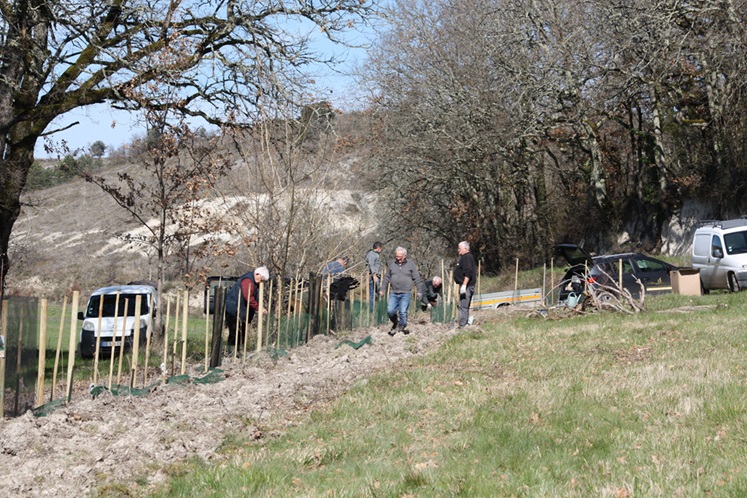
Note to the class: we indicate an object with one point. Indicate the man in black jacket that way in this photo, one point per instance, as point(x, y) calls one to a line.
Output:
point(431, 291)
point(464, 276)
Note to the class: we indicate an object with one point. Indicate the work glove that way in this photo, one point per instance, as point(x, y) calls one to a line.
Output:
point(463, 290)
point(428, 306)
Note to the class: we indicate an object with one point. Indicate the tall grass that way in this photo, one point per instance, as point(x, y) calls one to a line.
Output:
point(653, 404)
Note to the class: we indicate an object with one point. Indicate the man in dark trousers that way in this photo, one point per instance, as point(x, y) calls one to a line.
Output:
point(431, 291)
point(464, 276)
point(243, 297)
point(400, 276)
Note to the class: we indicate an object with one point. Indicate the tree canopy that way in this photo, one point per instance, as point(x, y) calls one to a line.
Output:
point(521, 123)
point(232, 55)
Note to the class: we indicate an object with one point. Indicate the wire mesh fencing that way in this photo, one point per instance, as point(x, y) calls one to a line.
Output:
point(179, 345)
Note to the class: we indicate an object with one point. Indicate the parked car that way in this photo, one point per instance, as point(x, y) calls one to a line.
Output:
point(720, 252)
point(585, 270)
point(111, 332)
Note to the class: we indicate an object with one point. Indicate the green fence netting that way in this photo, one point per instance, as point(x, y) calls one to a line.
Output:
point(356, 345)
point(214, 375)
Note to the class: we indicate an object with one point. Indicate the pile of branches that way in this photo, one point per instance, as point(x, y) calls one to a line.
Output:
point(607, 296)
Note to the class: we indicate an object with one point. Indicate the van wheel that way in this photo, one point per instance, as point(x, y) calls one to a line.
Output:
point(85, 352)
point(733, 283)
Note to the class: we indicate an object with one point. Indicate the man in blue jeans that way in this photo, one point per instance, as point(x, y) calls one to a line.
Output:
point(400, 276)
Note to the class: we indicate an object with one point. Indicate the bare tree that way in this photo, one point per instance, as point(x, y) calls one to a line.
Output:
point(519, 123)
point(293, 180)
point(59, 56)
point(459, 113)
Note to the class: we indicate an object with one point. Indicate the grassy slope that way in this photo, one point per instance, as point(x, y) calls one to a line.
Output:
point(599, 405)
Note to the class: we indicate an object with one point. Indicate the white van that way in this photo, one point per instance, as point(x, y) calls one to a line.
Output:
point(720, 252)
point(111, 329)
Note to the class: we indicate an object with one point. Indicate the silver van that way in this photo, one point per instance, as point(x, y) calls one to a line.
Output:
point(117, 323)
point(720, 252)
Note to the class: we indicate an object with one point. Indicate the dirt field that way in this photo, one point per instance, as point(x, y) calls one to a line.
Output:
point(116, 440)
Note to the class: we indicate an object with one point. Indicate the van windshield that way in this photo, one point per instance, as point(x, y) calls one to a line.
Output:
point(736, 243)
point(110, 302)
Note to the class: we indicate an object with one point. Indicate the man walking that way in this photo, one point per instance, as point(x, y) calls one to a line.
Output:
point(464, 276)
point(373, 265)
point(401, 275)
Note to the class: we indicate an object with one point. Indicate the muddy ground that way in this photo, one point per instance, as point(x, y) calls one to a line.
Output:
point(89, 442)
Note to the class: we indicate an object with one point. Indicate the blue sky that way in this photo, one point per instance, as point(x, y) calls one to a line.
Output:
point(116, 128)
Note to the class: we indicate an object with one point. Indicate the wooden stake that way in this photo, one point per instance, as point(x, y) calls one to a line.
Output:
point(516, 281)
point(288, 319)
point(246, 334)
point(136, 339)
point(269, 315)
point(298, 312)
point(176, 334)
point(149, 334)
point(185, 316)
point(114, 340)
point(260, 312)
point(340, 305)
point(445, 287)
point(552, 279)
point(71, 350)
point(60, 333)
point(246, 328)
point(98, 340)
point(455, 298)
point(165, 363)
point(19, 346)
point(279, 312)
point(368, 299)
point(479, 275)
point(362, 299)
point(122, 342)
point(42, 353)
point(207, 338)
point(3, 337)
point(329, 303)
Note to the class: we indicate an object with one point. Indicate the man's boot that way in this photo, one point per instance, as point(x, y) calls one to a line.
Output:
point(393, 319)
point(403, 330)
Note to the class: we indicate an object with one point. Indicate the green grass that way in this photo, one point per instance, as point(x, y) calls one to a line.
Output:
point(653, 404)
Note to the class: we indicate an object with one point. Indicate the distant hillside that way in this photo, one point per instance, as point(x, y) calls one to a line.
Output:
point(70, 236)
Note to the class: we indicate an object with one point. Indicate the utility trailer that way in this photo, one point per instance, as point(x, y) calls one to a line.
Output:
point(498, 299)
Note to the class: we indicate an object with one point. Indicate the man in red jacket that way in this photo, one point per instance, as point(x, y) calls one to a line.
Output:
point(243, 298)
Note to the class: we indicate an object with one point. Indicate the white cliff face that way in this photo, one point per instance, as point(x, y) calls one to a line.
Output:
point(677, 233)
point(76, 236)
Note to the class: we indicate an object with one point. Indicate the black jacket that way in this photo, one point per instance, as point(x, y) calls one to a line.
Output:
point(465, 268)
point(234, 297)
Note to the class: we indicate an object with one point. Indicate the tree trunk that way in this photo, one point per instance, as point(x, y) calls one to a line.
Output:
point(18, 156)
point(660, 155)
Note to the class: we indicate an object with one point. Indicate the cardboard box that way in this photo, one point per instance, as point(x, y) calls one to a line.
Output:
point(686, 281)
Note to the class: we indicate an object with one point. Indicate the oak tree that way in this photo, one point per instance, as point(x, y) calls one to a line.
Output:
point(62, 55)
